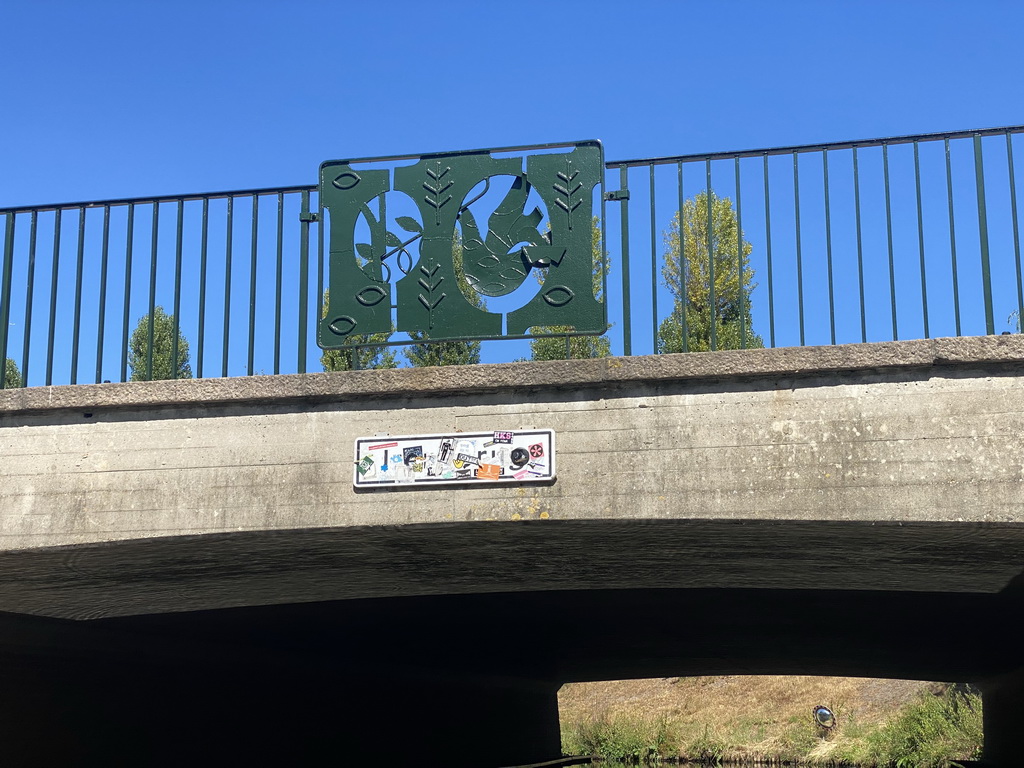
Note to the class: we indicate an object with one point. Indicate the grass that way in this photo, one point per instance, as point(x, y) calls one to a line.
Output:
point(897, 724)
point(932, 732)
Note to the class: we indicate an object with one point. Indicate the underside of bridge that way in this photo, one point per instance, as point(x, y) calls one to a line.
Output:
point(470, 679)
point(187, 575)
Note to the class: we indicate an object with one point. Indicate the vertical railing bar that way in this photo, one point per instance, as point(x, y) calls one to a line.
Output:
point(828, 251)
point(952, 239)
point(799, 253)
point(986, 274)
point(249, 367)
point(54, 269)
point(920, 238)
point(203, 253)
point(227, 286)
point(768, 250)
point(683, 299)
point(654, 267)
point(304, 283)
point(151, 326)
point(176, 322)
point(888, 230)
point(128, 251)
point(740, 282)
point(5, 294)
point(277, 285)
point(101, 322)
point(605, 266)
point(860, 249)
point(627, 328)
point(76, 328)
point(321, 260)
point(712, 298)
point(1016, 231)
point(30, 280)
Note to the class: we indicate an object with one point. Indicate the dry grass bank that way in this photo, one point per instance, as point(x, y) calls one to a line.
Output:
point(749, 717)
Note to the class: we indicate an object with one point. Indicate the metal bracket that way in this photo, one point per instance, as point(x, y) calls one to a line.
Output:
point(308, 216)
point(617, 195)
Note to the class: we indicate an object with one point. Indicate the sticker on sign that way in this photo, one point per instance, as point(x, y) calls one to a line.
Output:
point(464, 458)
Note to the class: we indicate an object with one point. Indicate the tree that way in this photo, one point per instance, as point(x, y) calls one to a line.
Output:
point(423, 355)
point(733, 282)
point(163, 368)
point(12, 376)
point(346, 357)
point(575, 347)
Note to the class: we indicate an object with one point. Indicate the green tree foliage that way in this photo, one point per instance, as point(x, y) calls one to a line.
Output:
point(576, 347)
point(12, 376)
point(733, 282)
point(346, 357)
point(163, 367)
point(423, 355)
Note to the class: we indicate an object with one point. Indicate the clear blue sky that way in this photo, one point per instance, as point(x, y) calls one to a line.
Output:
point(105, 100)
point(112, 99)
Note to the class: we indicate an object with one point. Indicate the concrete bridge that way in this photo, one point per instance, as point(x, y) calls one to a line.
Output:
point(187, 575)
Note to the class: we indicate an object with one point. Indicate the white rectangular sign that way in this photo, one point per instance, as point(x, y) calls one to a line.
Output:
point(519, 456)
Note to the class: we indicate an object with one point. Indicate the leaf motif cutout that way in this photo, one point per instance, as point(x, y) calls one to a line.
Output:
point(365, 250)
point(372, 294)
point(409, 224)
point(346, 180)
point(391, 240)
point(559, 296)
point(343, 325)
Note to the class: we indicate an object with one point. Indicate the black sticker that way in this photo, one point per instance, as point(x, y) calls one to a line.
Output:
point(519, 457)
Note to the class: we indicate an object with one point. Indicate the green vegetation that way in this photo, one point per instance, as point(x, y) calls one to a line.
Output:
point(12, 376)
point(931, 733)
point(576, 347)
point(691, 285)
point(350, 357)
point(621, 737)
point(163, 368)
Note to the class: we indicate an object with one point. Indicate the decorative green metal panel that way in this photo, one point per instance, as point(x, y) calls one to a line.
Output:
point(407, 253)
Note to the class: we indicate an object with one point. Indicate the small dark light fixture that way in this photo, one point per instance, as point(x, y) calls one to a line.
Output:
point(824, 718)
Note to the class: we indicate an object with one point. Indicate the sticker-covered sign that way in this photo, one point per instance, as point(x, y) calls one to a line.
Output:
point(457, 457)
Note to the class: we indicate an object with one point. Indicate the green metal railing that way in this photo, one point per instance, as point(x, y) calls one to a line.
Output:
point(896, 238)
point(872, 257)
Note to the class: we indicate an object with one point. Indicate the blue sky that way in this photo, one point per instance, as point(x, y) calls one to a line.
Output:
point(114, 99)
point(109, 100)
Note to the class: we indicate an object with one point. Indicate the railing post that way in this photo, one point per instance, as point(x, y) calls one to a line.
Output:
point(627, 328)
point(986, 274)
point(304, 219)
point(5, 295)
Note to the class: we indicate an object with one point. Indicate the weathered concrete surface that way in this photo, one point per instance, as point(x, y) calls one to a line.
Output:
point(912, 431)
point(887, 467)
